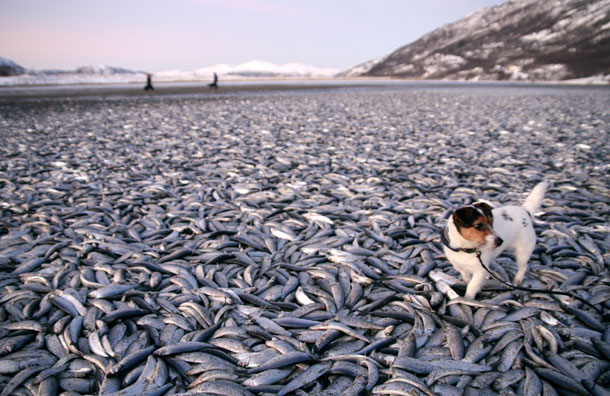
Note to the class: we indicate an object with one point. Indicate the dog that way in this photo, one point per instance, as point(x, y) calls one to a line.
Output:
point(479, 230)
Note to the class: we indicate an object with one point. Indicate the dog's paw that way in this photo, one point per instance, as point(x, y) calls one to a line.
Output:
point(470, 296)
point(518, 280)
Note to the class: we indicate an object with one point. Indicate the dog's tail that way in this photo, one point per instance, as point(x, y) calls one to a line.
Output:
point(534, 200)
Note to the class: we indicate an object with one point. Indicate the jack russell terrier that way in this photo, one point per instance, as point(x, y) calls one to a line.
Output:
point(478, 232)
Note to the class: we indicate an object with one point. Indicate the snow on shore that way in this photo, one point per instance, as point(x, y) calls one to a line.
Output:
point(108, 74)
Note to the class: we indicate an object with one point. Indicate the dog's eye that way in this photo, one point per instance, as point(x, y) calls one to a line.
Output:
point(478, 227)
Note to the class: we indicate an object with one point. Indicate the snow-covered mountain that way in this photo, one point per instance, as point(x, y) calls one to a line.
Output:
point(83, 75)
point(516, 40)
point(110, 74)
point(10, 68)
point(251, 69)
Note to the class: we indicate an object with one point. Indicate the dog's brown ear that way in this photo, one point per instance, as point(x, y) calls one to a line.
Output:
point(465, 216)
point(486, 209)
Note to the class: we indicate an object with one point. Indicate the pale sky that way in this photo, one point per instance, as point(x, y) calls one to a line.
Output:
point(159, 35)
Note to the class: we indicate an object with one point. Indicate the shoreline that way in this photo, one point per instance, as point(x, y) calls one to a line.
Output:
point(250, 86)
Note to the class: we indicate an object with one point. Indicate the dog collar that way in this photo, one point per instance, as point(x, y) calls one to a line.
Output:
point(445, 241)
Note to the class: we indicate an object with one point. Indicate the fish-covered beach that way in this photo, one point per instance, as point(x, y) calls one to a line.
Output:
point(285, 240)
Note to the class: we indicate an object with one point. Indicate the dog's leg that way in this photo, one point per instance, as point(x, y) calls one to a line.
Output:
point(523, 252)
point(466, 275)
point(522, 257)
point(475, 284)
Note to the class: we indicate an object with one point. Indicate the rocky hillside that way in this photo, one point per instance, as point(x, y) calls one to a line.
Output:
point(10, 68)
point(516, 40)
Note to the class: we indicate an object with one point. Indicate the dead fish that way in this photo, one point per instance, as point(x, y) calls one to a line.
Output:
point(156, 224)
point(219, 387)
point(287, 359)
point(426, 367)
point(311, 374)
point(111, 291)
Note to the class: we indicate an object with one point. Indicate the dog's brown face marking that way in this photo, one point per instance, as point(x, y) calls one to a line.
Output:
point(486, 210)
point(475, 222)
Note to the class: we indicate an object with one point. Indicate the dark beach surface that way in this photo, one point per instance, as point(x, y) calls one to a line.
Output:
point(240, 87)
point(166, 89)
point(284, 239)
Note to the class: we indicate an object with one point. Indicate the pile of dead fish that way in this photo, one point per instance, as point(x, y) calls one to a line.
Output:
point(288, 244)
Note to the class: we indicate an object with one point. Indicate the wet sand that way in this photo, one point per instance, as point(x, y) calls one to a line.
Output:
point(136, 90)
point(229, 88)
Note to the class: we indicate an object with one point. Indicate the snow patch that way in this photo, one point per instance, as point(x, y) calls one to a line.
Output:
point(599, 79)
point(544, 35)
point(401, 69)
point(550, 72)
point(103, 70)
point(484, 51)
point(439, 63)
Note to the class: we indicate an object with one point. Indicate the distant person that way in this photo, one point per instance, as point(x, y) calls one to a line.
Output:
point(214, 84)
point(148, 86)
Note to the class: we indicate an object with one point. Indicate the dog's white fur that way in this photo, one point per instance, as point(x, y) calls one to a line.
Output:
point(513, 224)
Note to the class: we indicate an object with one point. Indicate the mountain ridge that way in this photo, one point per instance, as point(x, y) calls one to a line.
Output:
point(9, 68)
point(515, 40)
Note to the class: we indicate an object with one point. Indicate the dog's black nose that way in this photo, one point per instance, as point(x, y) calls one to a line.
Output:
point(499, 241)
